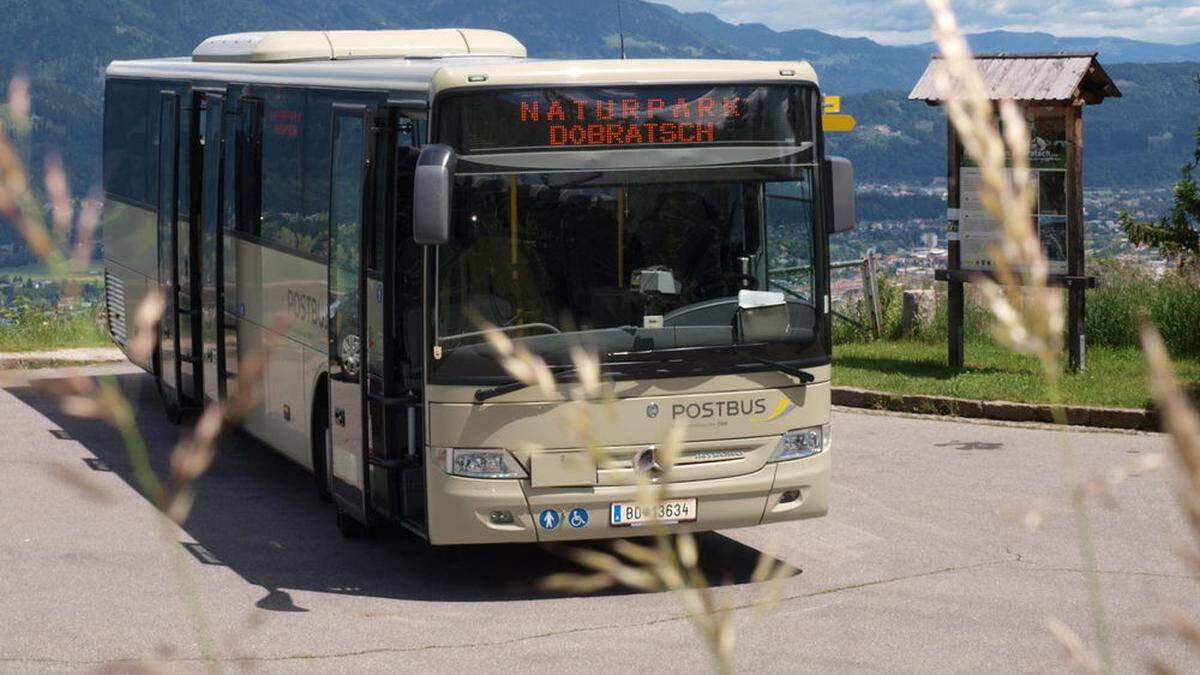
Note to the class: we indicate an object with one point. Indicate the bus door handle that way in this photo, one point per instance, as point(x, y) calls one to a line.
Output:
point(339, 416)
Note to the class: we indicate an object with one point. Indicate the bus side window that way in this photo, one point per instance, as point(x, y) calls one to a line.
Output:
point(249, 167)
point(130, 137)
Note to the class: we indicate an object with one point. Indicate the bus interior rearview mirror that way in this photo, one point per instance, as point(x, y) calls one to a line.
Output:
point(432, 192)
point(839, 173)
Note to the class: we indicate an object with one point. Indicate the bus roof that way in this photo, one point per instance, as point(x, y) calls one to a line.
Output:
point(432, 61)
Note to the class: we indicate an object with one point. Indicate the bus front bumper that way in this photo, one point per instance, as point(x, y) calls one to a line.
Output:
point(472, 511)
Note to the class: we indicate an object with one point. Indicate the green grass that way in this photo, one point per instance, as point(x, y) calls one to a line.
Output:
point(59, 329)
point(1115, 376)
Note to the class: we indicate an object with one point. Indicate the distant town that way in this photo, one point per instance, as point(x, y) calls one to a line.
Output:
point(909, 249)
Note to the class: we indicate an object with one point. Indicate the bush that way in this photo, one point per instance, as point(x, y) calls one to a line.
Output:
point(1128, 295)
point(891, 308)
point(1117, 307)
point(27, 325)
point(976, 318)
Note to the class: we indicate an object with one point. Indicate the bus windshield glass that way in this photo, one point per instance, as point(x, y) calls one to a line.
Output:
point(638, 254)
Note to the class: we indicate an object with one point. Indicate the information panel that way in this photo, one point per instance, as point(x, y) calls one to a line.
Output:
point(977, 230)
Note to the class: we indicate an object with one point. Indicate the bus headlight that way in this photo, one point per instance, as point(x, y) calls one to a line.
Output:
point(801, 443)
point(477, 463)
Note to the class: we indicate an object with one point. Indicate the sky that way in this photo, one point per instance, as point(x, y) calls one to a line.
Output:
point(906, 21)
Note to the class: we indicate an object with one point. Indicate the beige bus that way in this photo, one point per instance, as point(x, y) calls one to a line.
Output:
point(364, 202)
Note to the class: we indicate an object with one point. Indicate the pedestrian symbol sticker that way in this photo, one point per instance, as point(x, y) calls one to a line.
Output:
point(577, 518)
point(549, 519)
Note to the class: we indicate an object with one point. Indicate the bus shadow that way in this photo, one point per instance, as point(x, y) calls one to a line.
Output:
point(256, 512)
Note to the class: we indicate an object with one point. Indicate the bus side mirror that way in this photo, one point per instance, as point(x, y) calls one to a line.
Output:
point(839, 173)
point(432, 192)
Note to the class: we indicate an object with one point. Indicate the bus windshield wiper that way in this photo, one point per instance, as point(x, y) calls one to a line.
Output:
point(486, 393)
point(743, 350)
point(803, 375)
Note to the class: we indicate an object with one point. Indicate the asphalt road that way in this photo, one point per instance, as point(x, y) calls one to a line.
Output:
point(914, 570)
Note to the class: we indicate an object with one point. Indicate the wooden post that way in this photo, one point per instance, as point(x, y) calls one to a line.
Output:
point(1076, 311)
point(871, 297)
point(954, 288)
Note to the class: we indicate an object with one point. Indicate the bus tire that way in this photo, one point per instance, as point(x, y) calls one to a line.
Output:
point(320, 439)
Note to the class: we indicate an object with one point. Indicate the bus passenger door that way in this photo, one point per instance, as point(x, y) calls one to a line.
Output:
point(211, 250)
point(347, 311)
point(168, 181)
point(186, 239)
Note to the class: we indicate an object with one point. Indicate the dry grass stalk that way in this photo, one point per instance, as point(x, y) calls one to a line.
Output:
point(672, 562)
point(1029, 314)
point(1182, 425)
point(102, 399)
point(1077, 656)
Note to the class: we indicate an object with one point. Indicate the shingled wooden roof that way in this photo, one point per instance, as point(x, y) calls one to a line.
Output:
point(1065, 78)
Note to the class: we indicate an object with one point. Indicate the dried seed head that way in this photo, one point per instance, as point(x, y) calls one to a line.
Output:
point(82, 484)
point(19, 103)
point(1076, 654)
point(145, 326)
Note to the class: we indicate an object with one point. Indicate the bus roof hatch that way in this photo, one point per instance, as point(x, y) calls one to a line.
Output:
point(283, 46)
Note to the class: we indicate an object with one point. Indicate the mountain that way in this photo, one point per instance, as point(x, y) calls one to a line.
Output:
point(1111, 49)
point(1138, 140)
point(845, 65)
point(63, 45)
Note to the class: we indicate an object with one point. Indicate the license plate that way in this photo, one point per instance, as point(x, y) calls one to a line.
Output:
point(622, 514)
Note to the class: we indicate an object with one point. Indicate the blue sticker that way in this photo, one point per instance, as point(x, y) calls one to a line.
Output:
point(577, 518)
point(242, 309)
point(549, 519)
point(379, 293)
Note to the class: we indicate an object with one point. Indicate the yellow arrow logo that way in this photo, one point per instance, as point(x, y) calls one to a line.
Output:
point(838, 122)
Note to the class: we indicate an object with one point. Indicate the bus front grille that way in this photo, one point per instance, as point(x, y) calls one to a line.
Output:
point(114, 303)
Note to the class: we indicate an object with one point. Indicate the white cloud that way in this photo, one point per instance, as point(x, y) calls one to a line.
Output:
point(1176, 21)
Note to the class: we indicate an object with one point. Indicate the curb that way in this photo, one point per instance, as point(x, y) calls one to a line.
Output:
point(83, 355)
point(1007, 411)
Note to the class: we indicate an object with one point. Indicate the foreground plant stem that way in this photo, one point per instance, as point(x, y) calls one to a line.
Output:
point(1084, 537)
point(151, 486)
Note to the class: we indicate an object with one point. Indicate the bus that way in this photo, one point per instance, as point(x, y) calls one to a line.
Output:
point(365, 203)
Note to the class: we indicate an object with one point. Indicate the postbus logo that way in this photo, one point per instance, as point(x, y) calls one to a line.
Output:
point(717, 409)
point(755, 409)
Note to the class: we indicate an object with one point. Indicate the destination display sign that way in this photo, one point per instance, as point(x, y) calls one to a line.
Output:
point(627, 117)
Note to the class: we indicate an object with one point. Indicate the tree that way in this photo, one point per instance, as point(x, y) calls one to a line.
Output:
point(1177, 235)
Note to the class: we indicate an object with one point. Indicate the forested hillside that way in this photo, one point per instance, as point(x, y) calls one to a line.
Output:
point(1138, 140)
point(63, 45)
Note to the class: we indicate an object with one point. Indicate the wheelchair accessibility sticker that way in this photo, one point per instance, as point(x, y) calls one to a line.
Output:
point(577, 518)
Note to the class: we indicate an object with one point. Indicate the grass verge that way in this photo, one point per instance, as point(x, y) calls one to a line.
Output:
point(1116, 377)
point(44, 331)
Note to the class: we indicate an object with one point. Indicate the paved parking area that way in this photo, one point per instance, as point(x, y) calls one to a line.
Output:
point(914, 570)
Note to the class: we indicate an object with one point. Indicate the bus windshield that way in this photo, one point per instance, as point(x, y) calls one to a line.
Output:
point(629, 221)
point(619, 263)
